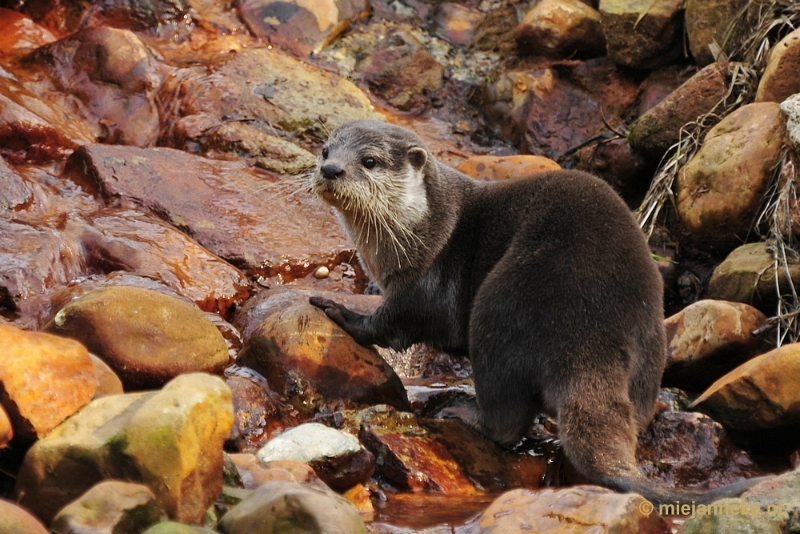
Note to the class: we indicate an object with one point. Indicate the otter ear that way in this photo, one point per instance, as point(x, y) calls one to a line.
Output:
point(417, 156)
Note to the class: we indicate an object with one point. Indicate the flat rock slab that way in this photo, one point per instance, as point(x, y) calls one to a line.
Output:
point(240, 214)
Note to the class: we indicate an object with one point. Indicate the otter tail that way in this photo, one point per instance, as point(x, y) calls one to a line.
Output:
point(658, 494)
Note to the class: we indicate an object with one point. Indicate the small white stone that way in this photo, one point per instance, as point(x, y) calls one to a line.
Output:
point(791, 110)
point(322, 272)
point(308, 442)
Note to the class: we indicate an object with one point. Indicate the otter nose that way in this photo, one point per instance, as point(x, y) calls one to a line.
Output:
point(331, 172)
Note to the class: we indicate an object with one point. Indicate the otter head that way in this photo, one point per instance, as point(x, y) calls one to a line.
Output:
point(374, 175)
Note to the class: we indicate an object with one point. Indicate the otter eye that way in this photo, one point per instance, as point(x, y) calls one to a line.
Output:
point(324, 152)
point(369, 163)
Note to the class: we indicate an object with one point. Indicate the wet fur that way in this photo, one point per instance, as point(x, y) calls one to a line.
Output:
point(546, 283)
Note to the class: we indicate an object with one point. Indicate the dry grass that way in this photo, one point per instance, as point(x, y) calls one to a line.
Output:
point(768, 22)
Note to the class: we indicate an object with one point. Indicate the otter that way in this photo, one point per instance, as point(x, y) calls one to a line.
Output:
point(546, 283)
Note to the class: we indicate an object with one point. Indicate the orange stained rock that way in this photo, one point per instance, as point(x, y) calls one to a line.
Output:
point(491, 168)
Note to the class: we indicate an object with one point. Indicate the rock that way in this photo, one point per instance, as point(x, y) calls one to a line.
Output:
point(761, 393)
point(301, 27)
point(147, 338)
point(685, 449)
point(263, 88)
point(659, 128)
point(748, 275)
point(14, 190)
point(44, 380)
point(6, 430)
point(642, 34)
point(260, 413)
point(170, 440)
point(707, 339)
point(287, 506)
point(337, 457)
point(790, 108)
point(245, 216)
point(561, 28)
point(579, 509)
point(110, 506)
point(549, 111)
point(171, 527)
point(108, 383)
point(456, 23)
point(16, 520)
point(658, 85)
point(628, 172)
point(781, 78)
point(20, 34)
point(402, 72)
point(493, 168)
point(721, 188)
point(312, 362)
point(442, 456)
point(255, 473)
point(115, 77)
point(707, 22)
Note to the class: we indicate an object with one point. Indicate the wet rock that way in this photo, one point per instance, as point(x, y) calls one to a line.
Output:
point(642, 34)
point(146, 337)
point(245, 216)
point(551, 111)
point(14, 190)
point(300, 26)
point(255, 473)
point(337, 457)
point(287, 506)
point(781, 78)
point(360, 497)
point(561, 28)
point(115, 78)
point(659, 128)
point(108, 383)
point(19, 34)
point(16, 520)
point(442, 456)
point(748, 275)
point(171, 527)
point(171, 440)
point(260, 413)
point(110, 506)
point(721, 188)
point(402, 72)
point(6, 430)
point(265, 89)
point(707, 22)
point(761, 393)
point(456, 23)
point(709, 338)
point(579, 509)
point(312, 362)
point(778, 497)
point(44, 380)
point(492, 168)
point(684, 449)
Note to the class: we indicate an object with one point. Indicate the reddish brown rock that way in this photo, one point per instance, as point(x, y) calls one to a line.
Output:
point(146, 337)
point(781, 78)
point(44, 379)
point(642, 34)
point(578, 510)
point(260, 413)
point(561, 28)
point(15, 192)
point(359, 496)
point(402, 72)
point(720, 190)
point(685, 449)
point(709, 338)
point(456, 23)
point(243, 215)
point(761, 393)
point(708, 22)
point(108, 383)
point(659, 128)
point(299, 26)
point(491, 168)
point(16, 520)
point(313, 363)
point(6, 430)
point(114, 76)
point(19, 34)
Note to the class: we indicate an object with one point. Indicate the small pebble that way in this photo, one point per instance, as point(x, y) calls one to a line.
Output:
point(322, 272)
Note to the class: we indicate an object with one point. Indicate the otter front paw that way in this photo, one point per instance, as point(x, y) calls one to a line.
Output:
point(335, 311)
